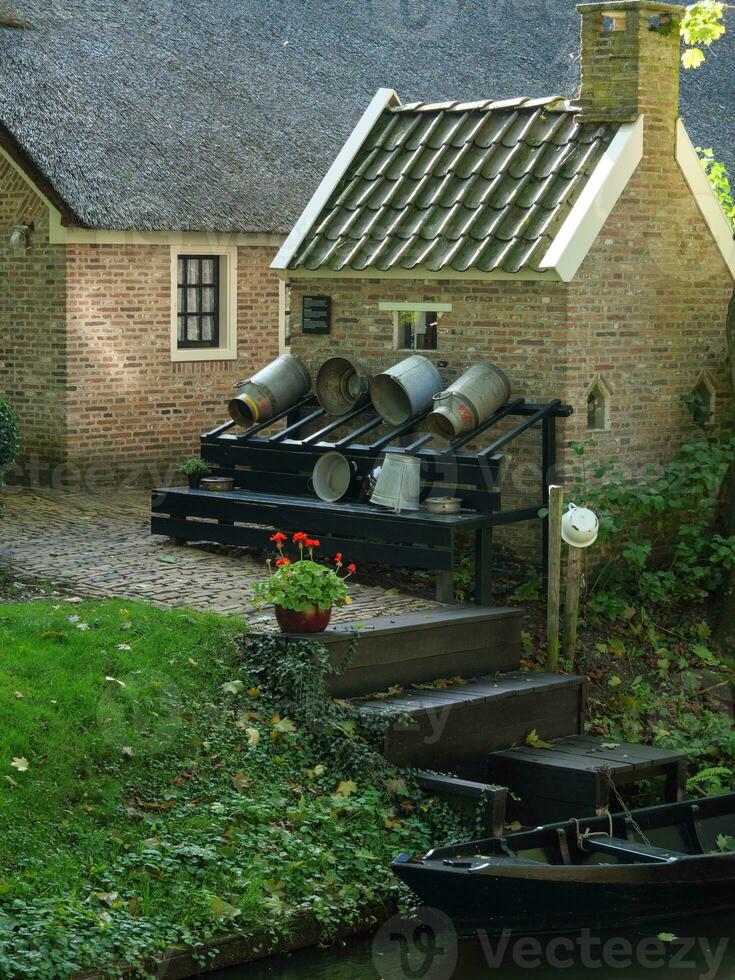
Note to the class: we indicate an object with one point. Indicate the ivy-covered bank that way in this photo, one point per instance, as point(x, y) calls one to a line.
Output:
point(162, 788)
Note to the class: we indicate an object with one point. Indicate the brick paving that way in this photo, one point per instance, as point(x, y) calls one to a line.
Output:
point(100, 545)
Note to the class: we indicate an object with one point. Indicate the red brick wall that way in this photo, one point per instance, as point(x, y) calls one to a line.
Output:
point(32, 327)
point(132, 411)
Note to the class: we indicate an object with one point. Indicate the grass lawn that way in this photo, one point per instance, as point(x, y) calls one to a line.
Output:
point(148, 798)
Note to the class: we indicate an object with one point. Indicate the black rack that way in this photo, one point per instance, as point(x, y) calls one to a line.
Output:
point(272, 488)
point(441, 464)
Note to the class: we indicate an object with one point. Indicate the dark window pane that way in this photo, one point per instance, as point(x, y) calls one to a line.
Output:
point(198, 300)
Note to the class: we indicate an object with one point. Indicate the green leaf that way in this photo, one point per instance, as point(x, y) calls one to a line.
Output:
point(692, 58)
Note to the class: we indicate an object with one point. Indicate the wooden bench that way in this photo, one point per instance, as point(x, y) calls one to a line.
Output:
point(272, 474)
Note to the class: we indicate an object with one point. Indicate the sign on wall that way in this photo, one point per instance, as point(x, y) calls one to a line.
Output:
point(316, 314)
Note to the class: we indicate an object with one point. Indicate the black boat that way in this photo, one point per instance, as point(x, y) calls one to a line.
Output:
point(651, 865)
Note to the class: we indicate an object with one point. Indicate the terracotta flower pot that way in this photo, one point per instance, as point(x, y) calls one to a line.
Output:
point(309, 620)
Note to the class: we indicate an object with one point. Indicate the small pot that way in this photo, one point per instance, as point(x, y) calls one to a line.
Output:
point(444, 505)
point(217, 484)
point(309, 620)
point(194, 480)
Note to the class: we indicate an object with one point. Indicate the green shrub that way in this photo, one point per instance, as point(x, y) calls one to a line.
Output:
point(661, 530)
point(9, 440)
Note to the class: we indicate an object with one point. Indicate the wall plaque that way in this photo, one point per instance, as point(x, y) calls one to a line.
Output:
point(316, 314)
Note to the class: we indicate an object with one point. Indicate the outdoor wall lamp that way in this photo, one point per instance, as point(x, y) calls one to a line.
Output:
point(20, 237)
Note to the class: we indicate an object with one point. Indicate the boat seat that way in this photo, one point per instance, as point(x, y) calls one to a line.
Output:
point(629, 851)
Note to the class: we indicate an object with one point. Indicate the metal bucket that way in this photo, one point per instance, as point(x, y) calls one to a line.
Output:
point(332, 476)
point(405, 389)
point(342, 383)
point(273, 389)
point(469, 400)
point(399, 483)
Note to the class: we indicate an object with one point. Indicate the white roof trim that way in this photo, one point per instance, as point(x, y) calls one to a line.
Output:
point(593, 206)
point(380, 101)
point(704, 195)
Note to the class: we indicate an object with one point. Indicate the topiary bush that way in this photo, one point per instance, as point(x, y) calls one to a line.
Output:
point(9, 440)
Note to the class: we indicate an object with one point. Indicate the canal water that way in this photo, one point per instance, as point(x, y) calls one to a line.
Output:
point(400, 952)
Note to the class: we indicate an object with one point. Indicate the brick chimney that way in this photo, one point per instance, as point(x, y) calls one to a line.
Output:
point(630, 62)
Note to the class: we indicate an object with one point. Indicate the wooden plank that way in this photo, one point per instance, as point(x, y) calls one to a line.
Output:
point(556, 506)
point(639, 756)
point(450, 738)
point(364, 516)
point(571, 602)
point(295, 457)
point(267, 509)
point(491, 801)
point(257, 537)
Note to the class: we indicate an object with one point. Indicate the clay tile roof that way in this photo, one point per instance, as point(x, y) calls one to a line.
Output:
point(456, 186)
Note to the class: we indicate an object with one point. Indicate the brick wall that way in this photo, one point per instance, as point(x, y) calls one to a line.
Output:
point(132, 412)
point(32, 327)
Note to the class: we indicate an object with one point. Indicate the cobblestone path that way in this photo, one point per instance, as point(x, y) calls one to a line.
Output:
point(100, 545)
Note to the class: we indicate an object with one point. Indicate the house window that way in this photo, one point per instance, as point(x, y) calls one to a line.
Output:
point(416, 325)
point(198, 287)
point(702, 402)
point(203, 303)
point(417, 329)
point(598, 407)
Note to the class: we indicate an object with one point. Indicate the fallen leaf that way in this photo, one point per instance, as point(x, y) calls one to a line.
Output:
point(127, 750)
point(222, 909)
point(253, 736)
point(114, 680)
point(241, 781)
point(346, 788)
point(109, 898)
point(233, 687)
point(124, 646)
point(13, 782)
point(20, 763)
point(533, 740)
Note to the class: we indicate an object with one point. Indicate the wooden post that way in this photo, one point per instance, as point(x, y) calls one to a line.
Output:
point(571, 605)
point(556, 506)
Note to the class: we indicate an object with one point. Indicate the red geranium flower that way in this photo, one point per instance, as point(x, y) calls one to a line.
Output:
point(299, 536)
point(352, 569)
point(338, 557)
point(278, 537)
point(311, 543)
point(282, 561)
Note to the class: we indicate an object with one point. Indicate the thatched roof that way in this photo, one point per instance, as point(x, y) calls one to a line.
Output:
point(225, 114)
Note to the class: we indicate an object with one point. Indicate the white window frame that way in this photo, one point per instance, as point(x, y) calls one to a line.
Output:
point(389, 306)
point(227, 349)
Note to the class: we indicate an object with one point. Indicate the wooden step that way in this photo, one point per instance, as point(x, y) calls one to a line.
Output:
point(480, 801)
point(571, 780)
point(464, 641)
point(455, 728)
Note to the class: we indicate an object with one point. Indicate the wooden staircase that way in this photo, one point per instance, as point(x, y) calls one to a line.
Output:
point(446, 688)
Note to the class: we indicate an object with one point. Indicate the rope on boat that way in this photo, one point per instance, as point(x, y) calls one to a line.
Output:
point(582, 837)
